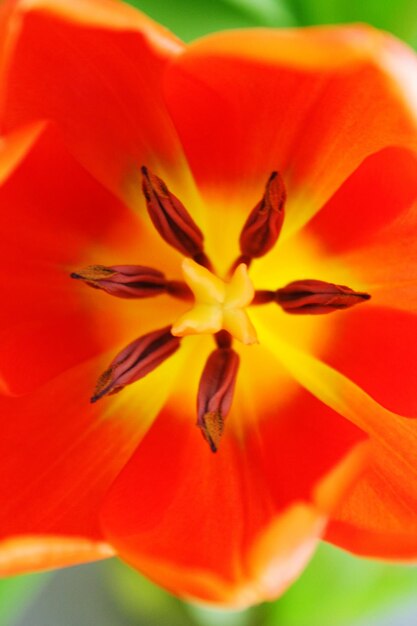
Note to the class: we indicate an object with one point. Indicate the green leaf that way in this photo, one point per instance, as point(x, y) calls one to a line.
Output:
point(398, 17)
point(266, 12)
point(145, 603)
point(17, 593)
point(141, 600)
point(189, 20)
point(341, 590)
point(215, 617)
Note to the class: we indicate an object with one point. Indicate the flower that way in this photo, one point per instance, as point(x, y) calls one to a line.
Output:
point(279, 181)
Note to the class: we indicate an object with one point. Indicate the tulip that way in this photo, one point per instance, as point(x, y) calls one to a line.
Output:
point(245, 209)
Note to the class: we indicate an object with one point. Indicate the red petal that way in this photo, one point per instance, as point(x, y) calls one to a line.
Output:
point(15, 147)
point(378, 515)
point(369, 226)
point(310, 103)
point(94, 67)
point(59, 453)
point(59, 456)
point(238, 526)
point(372, 201)
point(53, 213)
point(387, 264)
point(376, 348)
point(303, 441)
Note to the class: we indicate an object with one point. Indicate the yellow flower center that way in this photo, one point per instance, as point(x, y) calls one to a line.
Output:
point(219, 304)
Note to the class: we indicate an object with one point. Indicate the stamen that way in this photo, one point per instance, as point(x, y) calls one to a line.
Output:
point(263, 296)
point(179, 289)
point(263, 226)
point(223, 339)
point(315, 297)
point(172, 220)
point(135, 361)
point(124, 281)
point(215, 394)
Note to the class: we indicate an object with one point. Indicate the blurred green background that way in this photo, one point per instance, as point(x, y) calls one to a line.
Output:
point(336, 589)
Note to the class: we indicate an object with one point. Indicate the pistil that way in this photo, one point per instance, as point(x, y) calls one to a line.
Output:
point(218, 304)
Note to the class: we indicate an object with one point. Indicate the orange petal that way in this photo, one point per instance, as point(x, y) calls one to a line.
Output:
point(106, 14)
point(29, 554)
point(378, 517)
point(101, 85)
point(238, 526)
point(7, 8)
point(310, 103)
point(282, 550)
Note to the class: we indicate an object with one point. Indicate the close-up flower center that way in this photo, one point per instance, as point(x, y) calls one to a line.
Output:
point(187, 228)
point(217, 304)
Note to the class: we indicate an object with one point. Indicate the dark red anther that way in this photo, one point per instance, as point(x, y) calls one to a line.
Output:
point(263, 226)
point(313, 297)
point(215, 394)
point(136, 361)
point(171, 219)
point(124, 281)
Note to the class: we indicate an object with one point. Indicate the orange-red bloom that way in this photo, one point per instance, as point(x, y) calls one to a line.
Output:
point(306, 413)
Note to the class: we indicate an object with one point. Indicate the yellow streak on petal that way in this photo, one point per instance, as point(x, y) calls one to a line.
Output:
point(337, 391)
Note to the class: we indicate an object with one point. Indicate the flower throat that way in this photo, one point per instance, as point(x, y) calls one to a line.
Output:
point(217, 306)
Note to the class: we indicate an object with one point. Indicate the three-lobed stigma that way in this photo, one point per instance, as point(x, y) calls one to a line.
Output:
point(218, 304)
